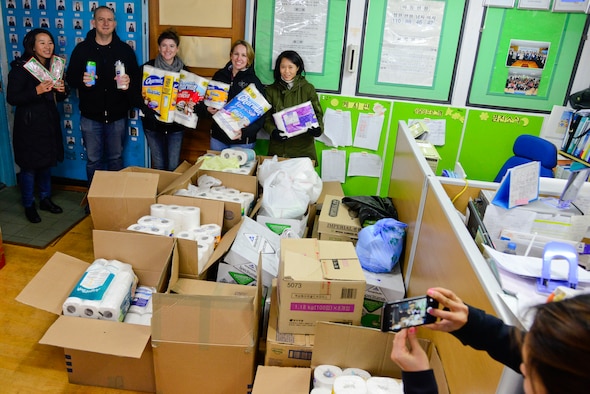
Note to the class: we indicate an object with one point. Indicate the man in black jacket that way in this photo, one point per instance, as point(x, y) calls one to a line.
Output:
point(103, 106)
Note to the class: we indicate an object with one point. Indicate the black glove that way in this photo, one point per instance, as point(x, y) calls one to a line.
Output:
point(149, 113)
point(315, 131)
point(278, 135)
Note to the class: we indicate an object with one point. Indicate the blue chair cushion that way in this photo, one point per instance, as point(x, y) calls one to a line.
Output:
point(529, 148)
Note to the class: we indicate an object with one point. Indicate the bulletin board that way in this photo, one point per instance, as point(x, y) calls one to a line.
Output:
point(328, 77)
point(488, 140)
point(384, 49)
point(362, 185)
point(504, 78)
point(454, 120)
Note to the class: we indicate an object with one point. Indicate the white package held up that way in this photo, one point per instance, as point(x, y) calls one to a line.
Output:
point(191, 90)
point(245, 108)
point(216, 94)
point(297, 119)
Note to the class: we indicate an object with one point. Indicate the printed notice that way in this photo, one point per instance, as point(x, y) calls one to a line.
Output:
point(411, 40)
point(301, 26)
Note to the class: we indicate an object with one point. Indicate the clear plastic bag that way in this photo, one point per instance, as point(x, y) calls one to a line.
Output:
point(380, 245)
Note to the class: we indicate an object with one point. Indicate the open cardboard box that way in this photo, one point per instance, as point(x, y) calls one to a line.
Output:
point(100, 352)
point(232, 210)
point(118, 198)
point(318, 281)
point(205, 336)
point(187, 250)
point(366, 348)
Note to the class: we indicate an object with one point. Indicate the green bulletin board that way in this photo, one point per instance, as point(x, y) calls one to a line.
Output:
point(373, 42)
point(362, 185)
point(563, 32)
point(329, 79)
point(489, 138)
point(454, 121)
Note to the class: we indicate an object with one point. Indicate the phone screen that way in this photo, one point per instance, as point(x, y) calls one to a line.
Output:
point(409, 312)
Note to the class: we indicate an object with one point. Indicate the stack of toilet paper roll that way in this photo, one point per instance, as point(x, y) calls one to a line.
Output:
point(103, 292)
point(223, 193)
point(243, 155)
point(331, 379)
point(185, 217)
point(207, 238)
point(140, 311)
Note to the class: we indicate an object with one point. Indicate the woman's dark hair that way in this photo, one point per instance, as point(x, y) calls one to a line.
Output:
point(294, 58)
point(169, 34)
point(29, 41)
point(558, 345)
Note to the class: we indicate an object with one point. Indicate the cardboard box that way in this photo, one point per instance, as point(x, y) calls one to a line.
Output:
point(290, 380)
point(205, 337)
point(366, 348)
point(118, 198)
point(232, 211)
point(2, 255)
point(381, 288)
point(252, 239)
point(300, 227)
point(338, 237)
point(318, 280)
point(285, 350)
point(332, 188)
point(100, 352)
point(336, 219)
point(211, 212)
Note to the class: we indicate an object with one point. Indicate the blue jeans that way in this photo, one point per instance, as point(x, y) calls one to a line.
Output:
point(104, 145)
point(217, 145)
point(28, 179)
point(164, 148)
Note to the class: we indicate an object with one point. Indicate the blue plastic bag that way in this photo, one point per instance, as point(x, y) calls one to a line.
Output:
point(380, 245)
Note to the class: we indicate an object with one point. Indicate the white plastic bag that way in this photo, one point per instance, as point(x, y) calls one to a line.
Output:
point(282, 198)
point(300, 170)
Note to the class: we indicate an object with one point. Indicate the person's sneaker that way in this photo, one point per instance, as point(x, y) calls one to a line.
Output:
point(47, 205)
point(32, 215)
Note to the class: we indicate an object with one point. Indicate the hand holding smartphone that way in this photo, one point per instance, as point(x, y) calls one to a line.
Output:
point(409, 312)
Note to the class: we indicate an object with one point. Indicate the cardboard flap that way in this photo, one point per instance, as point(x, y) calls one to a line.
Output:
point(53, 283)
point(342, 269)
point(204, 319)
point(98, 336)
point(127, 184)
point(164, 177)
point(291, 380)
point(307, 268)
point(182, 181)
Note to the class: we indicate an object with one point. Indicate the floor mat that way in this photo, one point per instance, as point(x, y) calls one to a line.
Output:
point(16, 229)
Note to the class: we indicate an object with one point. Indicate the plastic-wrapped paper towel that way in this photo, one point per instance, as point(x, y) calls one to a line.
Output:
point(185, 235)
point(168, 225)
point(148, 229)
point(103, 292)
point(243, 155)
point(325, 375)
point(117, 299)
point(213, 230)
point(140, 311)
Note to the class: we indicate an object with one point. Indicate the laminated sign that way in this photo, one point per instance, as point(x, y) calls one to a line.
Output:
point(245, 108)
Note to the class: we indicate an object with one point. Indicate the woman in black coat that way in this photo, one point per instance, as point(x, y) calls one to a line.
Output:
point(37, 138)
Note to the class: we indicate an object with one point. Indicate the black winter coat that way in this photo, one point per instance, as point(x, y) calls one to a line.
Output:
point(37, 136)
point(237, 84)
point(103, 102)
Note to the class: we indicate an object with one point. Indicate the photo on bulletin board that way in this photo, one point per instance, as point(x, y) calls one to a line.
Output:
point(315, 30)
point(532, 64)
point(410, 49)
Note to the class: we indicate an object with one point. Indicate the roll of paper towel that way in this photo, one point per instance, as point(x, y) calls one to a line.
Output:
point(136, 318)
point(356, 372)
point(185, 235)
point(175, 213)
point(191, 218)
point(383, 385)
point(148, 229)
point(213, 230)
point(158, 210)
point(117, 299)
point(324, 376)
point(320, 390)
point(248, 200)
point(349, 384)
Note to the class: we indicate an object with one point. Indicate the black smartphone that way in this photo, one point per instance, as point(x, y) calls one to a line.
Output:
point(409, 312)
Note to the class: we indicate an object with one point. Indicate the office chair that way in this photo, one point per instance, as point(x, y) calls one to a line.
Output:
point(529, 148)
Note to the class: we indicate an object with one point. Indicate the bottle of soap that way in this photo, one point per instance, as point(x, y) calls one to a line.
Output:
point(510, 248)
